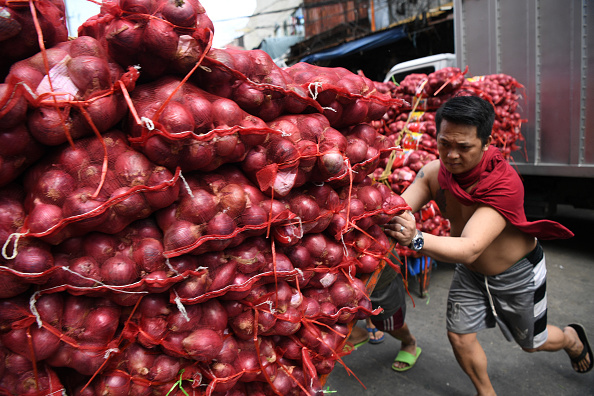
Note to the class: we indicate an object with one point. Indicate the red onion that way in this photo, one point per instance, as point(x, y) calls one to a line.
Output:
point(343, 294)
point(152, 330)
point(214, 315)
point(139, 360)
point(289, 322)
point(181, 234)
point(119, 270)
point(165, 368)
point(226, 113)
point(148, 255)
point(232, 199)
point(33, 257)
point(81, 203)
point(154, 305)
point(54, 186)
point(89, 74)
point(201, 109)
point(200, 207)
point(160, 38)
point(87, 268)
point(193, 286)
point(229, 351)
point(45, 343)
point(247, 360)
point(243, 325)
point(99, 246)
point(367, 264)
point(181, 14)
point(115, 383)
point(133, 206)
point(203, 344)
point(43, 217)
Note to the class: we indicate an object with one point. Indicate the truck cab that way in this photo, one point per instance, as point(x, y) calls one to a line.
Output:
point(427, 65)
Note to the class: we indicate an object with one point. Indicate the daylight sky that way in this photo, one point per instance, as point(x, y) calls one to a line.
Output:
point(229, 16)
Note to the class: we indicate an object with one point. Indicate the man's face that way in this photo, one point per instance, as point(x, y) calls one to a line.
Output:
point(459, 147)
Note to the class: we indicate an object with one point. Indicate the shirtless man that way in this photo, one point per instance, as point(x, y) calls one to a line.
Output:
point(500, 272)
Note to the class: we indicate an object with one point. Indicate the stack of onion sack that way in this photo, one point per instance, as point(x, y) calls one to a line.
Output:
point(19, 37)
point(160, 36)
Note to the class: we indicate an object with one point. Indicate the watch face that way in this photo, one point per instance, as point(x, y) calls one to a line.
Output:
point(418, 242)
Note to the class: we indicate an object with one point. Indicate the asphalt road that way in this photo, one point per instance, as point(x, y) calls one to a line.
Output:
point(570, 293)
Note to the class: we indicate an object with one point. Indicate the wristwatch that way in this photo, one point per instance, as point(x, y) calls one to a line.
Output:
point(417, 242)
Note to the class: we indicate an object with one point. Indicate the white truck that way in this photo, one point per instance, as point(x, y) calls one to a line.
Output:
point(548, 46)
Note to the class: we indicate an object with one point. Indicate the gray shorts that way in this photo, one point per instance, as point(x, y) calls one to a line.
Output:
point(515, 299)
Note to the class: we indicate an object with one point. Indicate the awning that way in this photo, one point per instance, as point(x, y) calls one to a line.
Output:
point(366, 43)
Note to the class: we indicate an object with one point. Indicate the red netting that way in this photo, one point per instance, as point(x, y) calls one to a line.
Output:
point(75, 91)
point(347, 98)
point(254, 82)
point(160, 36)
point(177, 124)
point(97, 184)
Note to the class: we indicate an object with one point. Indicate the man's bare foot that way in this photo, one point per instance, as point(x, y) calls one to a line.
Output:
point(578, 351)
point(412, 349)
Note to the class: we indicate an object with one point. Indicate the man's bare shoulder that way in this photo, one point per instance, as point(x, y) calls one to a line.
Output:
point(428, 173)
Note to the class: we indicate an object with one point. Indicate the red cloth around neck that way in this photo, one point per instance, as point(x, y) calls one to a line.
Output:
point(500, 187)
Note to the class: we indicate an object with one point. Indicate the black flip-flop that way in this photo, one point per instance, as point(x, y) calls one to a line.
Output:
point(581, 332)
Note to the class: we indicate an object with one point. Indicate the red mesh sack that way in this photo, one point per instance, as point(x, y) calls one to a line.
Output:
point(215, 211)
point(443, 81)
point(160, 36)
point(20, 35)
point(31, 327)
point(146, 371)
point(122, 267)
point(177, 124)
point(95, 185)
point(35, 261)
point(87, 333)
point(252, 80)
point(75, 94)
point(347, 98)
point(306, 148)
point(364, 205)
point(500, 90)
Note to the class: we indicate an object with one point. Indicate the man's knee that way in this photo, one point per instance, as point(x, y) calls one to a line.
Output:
point(459, 341)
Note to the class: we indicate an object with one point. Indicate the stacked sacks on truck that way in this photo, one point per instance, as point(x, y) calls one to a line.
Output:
point(412, 128)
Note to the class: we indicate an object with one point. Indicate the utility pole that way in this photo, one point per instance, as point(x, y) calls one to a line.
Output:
point(372, 8)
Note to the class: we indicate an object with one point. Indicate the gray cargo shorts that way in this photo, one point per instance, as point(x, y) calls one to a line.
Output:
point(515, 299)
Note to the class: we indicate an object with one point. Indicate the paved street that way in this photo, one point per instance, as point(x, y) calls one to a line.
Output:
point(513, 372)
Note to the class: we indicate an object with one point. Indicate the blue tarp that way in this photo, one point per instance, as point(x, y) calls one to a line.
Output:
point(363, 44)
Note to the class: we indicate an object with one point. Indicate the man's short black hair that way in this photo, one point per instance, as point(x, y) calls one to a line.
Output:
point(468, 110)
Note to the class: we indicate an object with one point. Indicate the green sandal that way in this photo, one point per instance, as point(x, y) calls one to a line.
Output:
point(408, 358)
